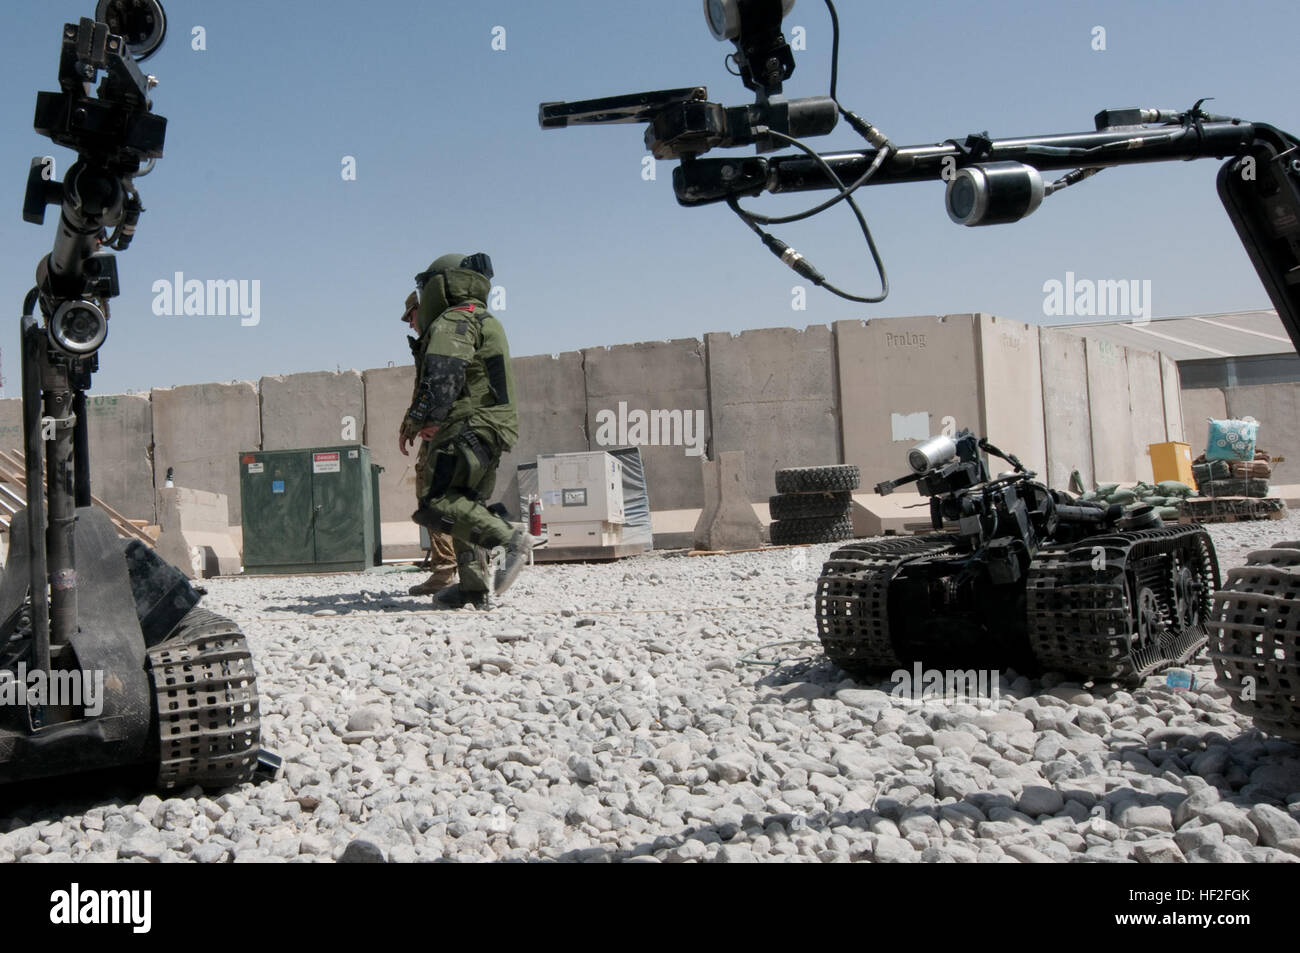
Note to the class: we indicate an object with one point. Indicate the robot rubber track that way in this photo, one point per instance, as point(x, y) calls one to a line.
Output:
point(1255, 638)
point(1122, 606)
point(1114, 607)
point(205, 694)
point(853, 599)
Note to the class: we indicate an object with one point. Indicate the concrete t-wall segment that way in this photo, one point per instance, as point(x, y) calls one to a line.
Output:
point(1068, 422)
point(1277, 408)
point(11, 439)
point(1200, 404)
point(552, 403)
point(727, 520)
point(773, 394)
point(387, 394)
point(121, 453)
point(11, 425)
point(899, 378)
point(121, 449)
point(1011, 391)
point(1146, 409)
point(1171, 383)
point(1110, 416)
point(654, 396)
point(316, 409)
point(200, 429)
point(195, 533)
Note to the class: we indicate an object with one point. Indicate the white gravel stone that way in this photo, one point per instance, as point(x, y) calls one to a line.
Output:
point(372, 718)
point(1196, 805)
point(1152, 817)
point(893, 850)
point(1191, 837)
point(731, 768)
point(148, 848)
point(1037, 799)
point(1273, 824)
point(1158, 850)
point(1215, 854)
point(1233, 820)
point(209, 853)
point(1027, 854)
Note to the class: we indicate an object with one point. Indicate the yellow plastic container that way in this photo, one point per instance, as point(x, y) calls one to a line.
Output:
point(1172, 461)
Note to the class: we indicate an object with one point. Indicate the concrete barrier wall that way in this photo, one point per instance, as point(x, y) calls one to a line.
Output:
point(862, 393)
point(1199, 405)
point(654, 396)
point(200, 430)
point(1109, 412)
point(195, 533)
point(121, 449)
point(1277, 408)
point(11, 438)
point(387, 397)
point(121, 453)
point(1068, 421)
point(1172, 385)
point(11, 425)
point(773, 394)
point(900, 380)
point(1012, 391)
point(1147, 409)
point(316, 409)
point(552, 401)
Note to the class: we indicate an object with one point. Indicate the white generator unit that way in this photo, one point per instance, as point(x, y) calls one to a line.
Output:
point(582, 499)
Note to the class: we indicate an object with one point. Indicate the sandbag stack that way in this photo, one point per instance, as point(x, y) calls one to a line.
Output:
point(1164, 496)
point(1233, 477)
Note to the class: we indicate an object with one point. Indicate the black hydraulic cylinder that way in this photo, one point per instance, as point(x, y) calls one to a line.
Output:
point(797, 173)
point(93, 200)
point(34, 343)
point(81, 449)
point(701, 181)
point(1261, 193)
point(61, 502)
point(1083, 514)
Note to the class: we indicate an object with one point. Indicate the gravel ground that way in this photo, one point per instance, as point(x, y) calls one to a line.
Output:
point(604, 713)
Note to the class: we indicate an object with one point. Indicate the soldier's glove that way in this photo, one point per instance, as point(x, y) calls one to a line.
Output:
point(406, 435)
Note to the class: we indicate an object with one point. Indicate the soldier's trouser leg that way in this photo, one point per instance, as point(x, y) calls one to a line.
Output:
point(442, 555)
point(462, 475)
point(473, 565)
point(443, 551)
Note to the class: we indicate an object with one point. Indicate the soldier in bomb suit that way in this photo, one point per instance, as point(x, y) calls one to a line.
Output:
point(442, 552)
point(464, 411)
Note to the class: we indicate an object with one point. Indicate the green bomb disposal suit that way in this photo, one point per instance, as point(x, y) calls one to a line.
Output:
point(465, 387)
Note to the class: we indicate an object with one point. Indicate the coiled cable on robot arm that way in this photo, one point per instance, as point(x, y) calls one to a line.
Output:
point(885, 149)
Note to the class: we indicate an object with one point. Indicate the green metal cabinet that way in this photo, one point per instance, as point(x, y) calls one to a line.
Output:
point(313, 510)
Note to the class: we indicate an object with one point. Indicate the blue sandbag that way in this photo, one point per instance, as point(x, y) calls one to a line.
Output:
point(1232, 440)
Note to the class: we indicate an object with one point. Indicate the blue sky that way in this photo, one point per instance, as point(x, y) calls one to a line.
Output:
point(449, 157)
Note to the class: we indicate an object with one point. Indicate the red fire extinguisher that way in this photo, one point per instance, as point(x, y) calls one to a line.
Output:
point(535, 517)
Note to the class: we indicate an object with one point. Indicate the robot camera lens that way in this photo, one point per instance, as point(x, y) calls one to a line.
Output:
point(141, 23)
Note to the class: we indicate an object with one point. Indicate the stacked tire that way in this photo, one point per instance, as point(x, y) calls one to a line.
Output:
point(813, 505)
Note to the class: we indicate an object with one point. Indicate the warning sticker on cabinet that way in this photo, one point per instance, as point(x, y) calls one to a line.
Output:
point(256, 467)
point(325, 462)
